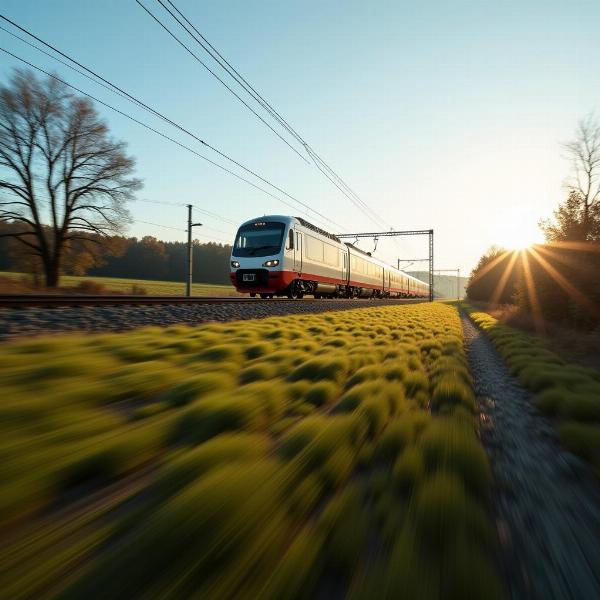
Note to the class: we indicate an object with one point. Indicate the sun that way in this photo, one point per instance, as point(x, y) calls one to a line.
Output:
point(522, 235)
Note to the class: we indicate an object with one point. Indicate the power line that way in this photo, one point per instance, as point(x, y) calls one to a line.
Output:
point(159, 225)
point(139, 103)
point(202, 210)
point(163, 135)
point(216, 76)
point(321, 165)
point(232, 71)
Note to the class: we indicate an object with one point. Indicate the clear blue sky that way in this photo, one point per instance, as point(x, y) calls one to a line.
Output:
point(440, 114)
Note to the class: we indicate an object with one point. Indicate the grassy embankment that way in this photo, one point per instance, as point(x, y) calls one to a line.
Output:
point(250, 459)
point(569, 393)
point(21, 283)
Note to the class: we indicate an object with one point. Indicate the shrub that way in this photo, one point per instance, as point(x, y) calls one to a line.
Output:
point(583, 439)
point(408, 470)
point(401, 432)
point(321, 393)
point(344, 524)
point(357, 395)
point(196, 387)
point(140, 380)
point(440, 508)
point(452, 390)
point(221, 450)
point(332, 369)
point(395, 372)
point(218, 414)
point(219, 353)
point(451, 445)
point(368, 373)
point(258, 372)
point(414, 382)
point(258, 349)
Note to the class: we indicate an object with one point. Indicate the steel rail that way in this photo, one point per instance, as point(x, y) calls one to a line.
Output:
point(29, 300)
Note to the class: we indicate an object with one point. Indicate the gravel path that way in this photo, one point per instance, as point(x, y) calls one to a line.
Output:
point(35, 321)
point(546, 500)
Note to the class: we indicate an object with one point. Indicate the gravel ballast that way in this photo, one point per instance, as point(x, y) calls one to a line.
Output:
point(17, 322)
point(546, 500)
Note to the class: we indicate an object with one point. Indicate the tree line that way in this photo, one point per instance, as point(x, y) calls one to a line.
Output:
point(118, 256)
point(558, 280)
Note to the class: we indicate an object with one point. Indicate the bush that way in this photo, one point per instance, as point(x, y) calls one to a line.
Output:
point(400, 433)
point(415, 382)
point(408, 470)
point(219, 353)
point(221, 450)
point(196, 387)
point(440, 508)
point(258, 372)
point(451, 390)
point(321, 393)
point(451, 445)
point(258, 349)
point(583, 439)
point(318, 369)
point(344, 524)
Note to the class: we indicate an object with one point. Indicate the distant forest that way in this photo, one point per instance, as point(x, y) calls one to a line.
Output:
point(146, 258)
point(167, 261)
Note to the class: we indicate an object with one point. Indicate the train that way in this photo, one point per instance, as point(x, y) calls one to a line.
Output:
point(280, 255)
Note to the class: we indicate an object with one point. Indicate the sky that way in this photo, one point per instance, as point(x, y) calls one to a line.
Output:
point(444, 115)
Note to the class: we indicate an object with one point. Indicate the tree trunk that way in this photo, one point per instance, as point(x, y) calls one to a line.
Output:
point(52, 272)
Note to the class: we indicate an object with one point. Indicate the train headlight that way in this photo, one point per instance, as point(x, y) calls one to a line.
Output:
point(235, 264)
point(271, 263)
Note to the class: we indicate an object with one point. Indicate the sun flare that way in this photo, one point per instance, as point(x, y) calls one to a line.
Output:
point(522, 236)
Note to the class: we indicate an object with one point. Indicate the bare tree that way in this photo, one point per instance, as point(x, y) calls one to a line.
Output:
point(584, 152)
point(62, 175)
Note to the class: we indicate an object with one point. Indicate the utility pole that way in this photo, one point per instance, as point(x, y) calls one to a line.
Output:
point(457, 271)
point(431, 265)
point(188, 283)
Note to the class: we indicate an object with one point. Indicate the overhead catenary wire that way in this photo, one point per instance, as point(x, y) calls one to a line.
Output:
point(320, 164)
point(217, 77)
point(163, 135)
point(121, 92)
point(199, 208)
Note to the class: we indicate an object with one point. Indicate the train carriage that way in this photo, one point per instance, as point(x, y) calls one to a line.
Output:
point(287, 256)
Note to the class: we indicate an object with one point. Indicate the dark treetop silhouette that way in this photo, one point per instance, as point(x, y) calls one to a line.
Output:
point(60, 165)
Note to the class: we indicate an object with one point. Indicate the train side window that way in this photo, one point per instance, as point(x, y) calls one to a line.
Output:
point(290, 245)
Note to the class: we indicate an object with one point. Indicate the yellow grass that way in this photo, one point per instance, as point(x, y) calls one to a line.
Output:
point(253, 458)
point(124, 286)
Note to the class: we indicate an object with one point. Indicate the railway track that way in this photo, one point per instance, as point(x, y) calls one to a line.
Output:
point(49, 300)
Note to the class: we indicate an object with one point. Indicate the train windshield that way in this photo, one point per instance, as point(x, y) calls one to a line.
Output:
point(259, 239)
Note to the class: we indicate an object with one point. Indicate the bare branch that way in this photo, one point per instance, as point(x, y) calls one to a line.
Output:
point(55, 142)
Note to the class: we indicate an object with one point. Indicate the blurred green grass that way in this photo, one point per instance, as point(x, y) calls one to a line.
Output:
point(274, 456)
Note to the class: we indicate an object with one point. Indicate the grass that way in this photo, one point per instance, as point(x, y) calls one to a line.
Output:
point(569, 393)
point(252, 458)
point(21, 283)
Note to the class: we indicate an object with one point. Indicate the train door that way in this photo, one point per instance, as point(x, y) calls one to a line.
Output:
point(298, 253)
point(345, 267)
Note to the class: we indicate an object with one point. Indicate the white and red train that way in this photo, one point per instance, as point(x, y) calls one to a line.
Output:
point(287, 256)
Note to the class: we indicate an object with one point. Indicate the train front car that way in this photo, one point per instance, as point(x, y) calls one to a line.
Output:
point(259, 259)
